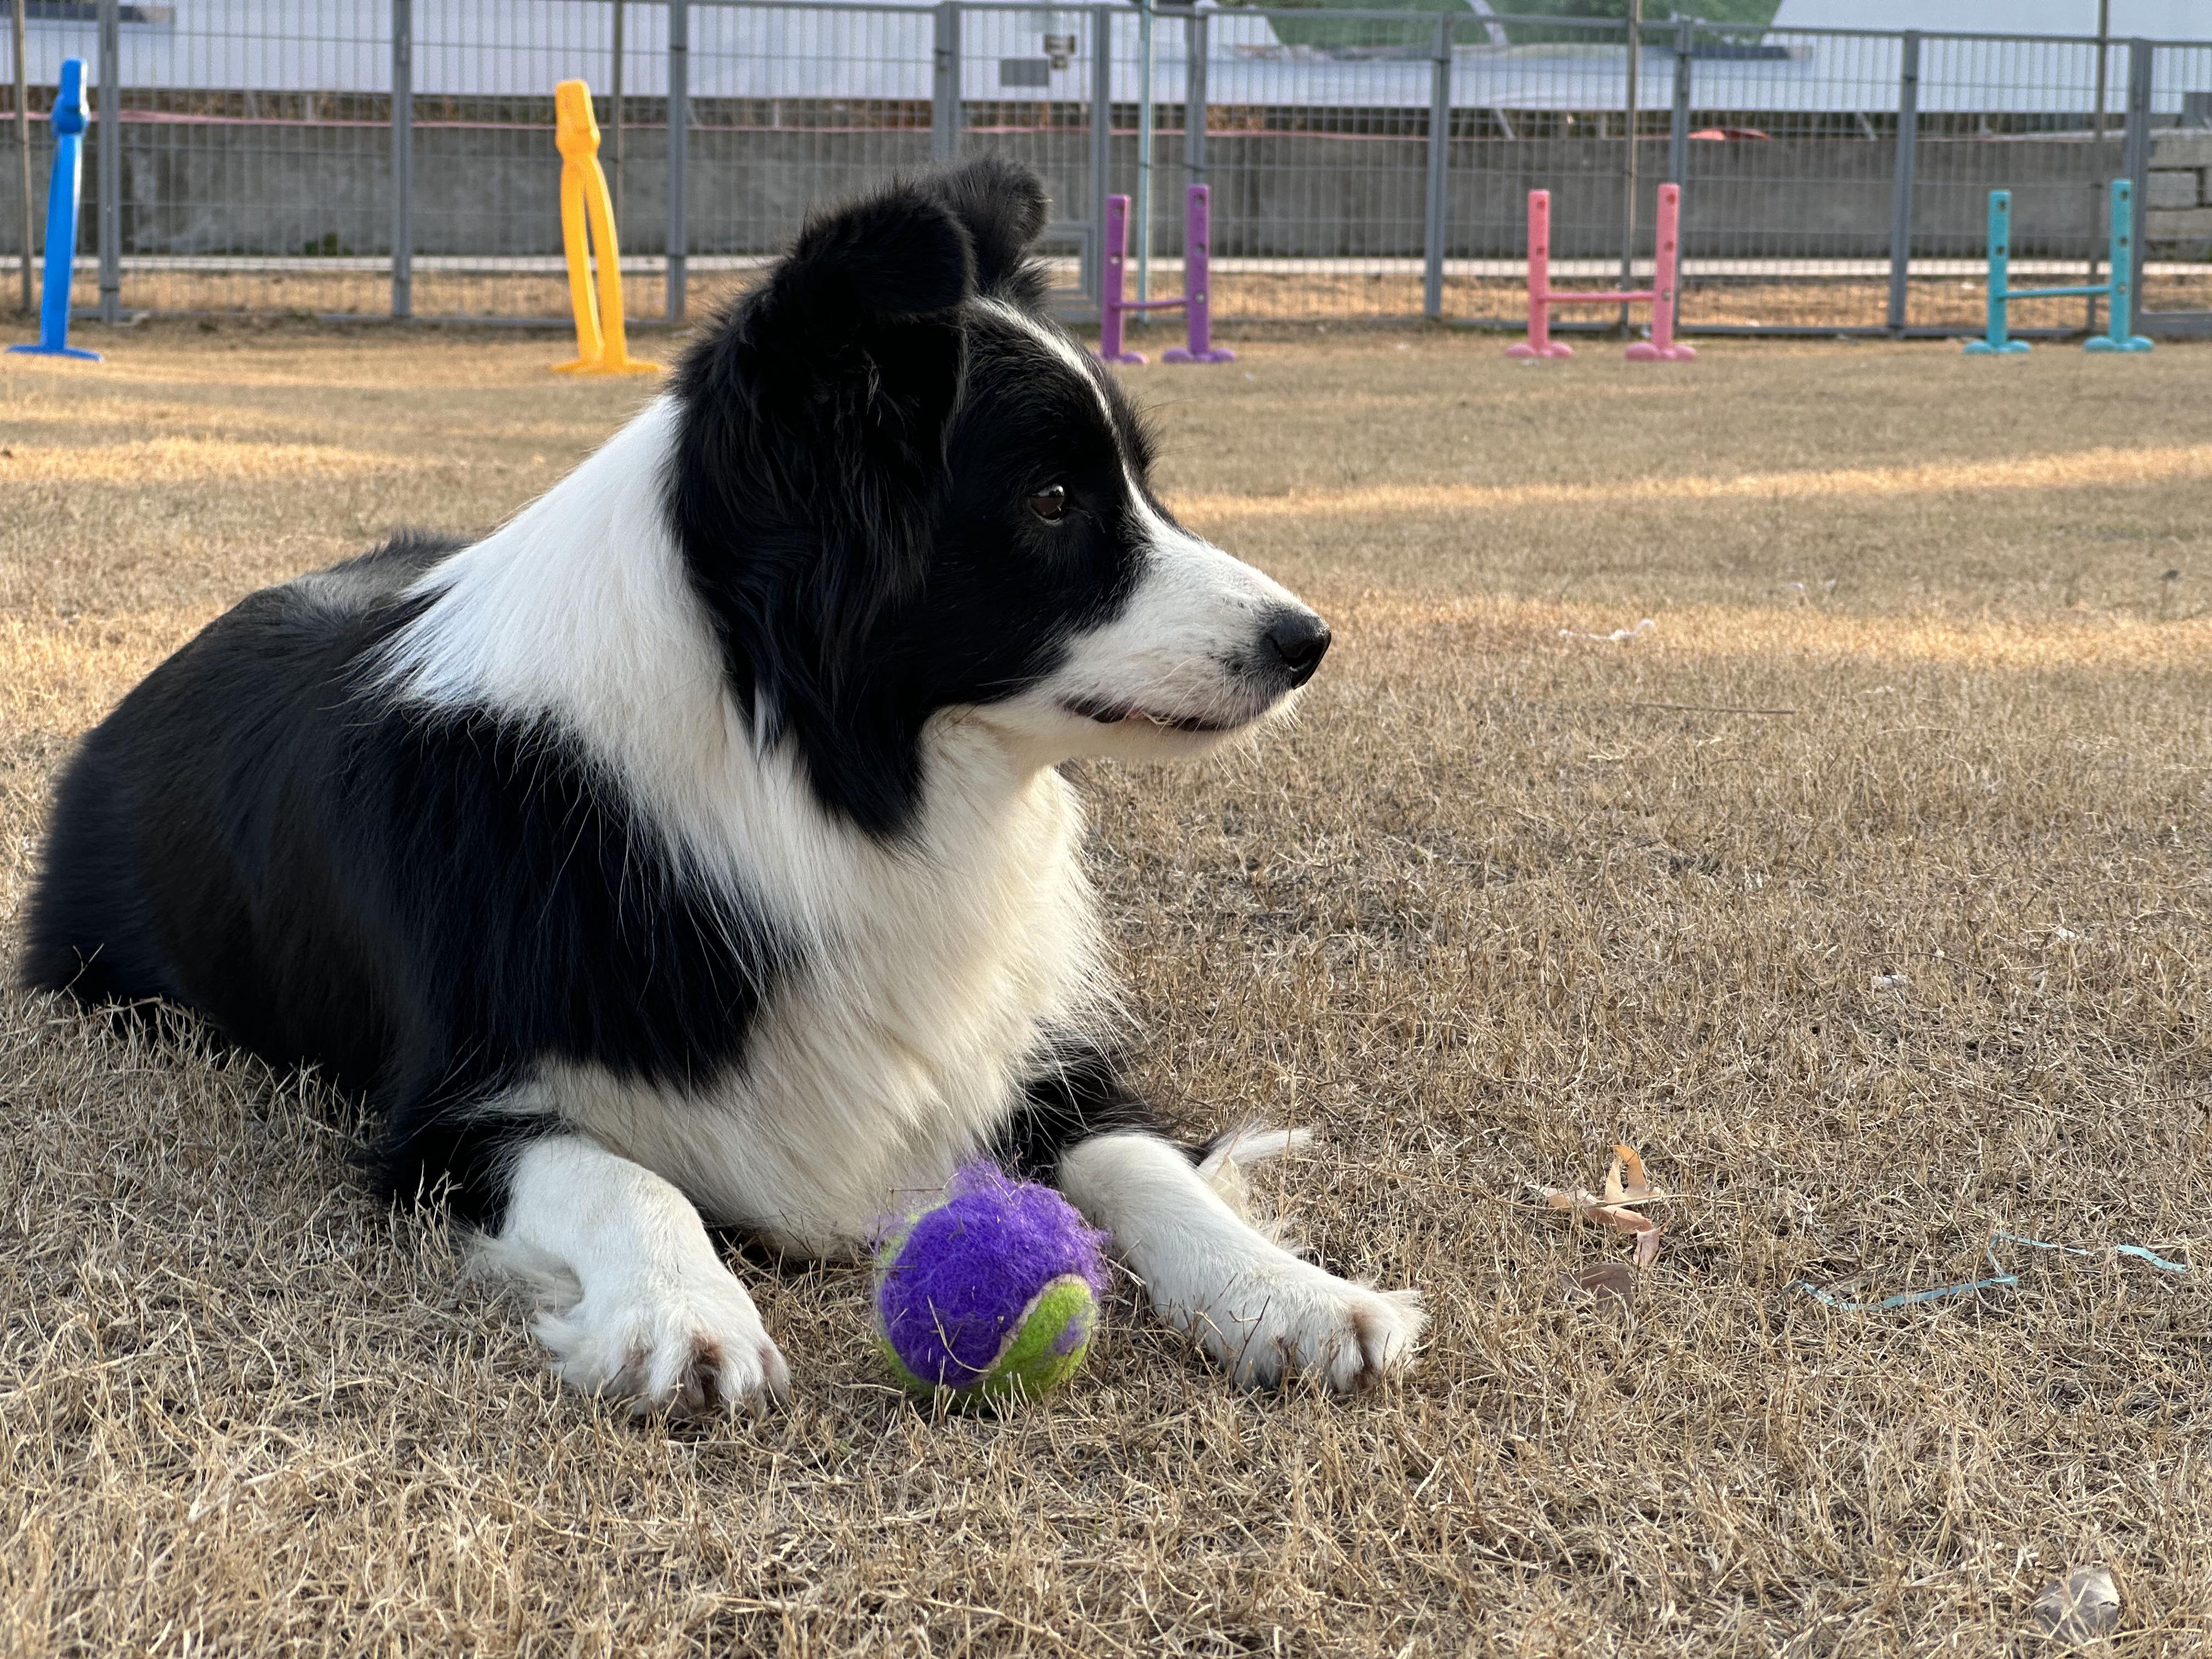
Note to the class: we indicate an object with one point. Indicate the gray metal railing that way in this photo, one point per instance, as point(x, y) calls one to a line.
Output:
point(364, 158)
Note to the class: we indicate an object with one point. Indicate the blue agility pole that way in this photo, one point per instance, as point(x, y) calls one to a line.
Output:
point(2121, 304)
point(2117, 290)
point(62, 194)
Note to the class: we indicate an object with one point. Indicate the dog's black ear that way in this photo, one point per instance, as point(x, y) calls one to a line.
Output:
point(810, 457)
point(1004, 207)
point(821, 401)
point(902, 254)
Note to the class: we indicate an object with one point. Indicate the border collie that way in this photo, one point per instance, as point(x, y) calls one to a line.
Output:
point(692, 849)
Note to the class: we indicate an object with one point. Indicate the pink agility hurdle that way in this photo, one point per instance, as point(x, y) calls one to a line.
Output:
point(1196, 302)
point(1542, 296)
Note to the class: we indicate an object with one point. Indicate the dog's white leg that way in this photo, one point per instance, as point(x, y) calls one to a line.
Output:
point(638, 1304)
point(1258, 1310)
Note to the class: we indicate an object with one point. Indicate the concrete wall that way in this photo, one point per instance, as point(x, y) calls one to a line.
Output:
point(2178, 203)
point(260, 189)
point(1779, 200)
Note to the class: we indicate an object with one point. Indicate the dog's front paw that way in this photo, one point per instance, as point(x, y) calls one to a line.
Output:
point(691, 1346)
point(1274, 1321)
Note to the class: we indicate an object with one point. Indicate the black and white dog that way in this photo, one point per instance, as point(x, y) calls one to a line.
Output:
point(693, 845)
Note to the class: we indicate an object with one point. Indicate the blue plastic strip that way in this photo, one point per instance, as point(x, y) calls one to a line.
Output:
point(2136, 1250)
point(1905, 1298)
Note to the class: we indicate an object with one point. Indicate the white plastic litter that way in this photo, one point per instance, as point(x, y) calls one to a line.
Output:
point(1619, 637)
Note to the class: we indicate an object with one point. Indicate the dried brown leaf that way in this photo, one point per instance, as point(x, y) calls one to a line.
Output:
point(1626, 1183)
point(1592, 1208)
point(1635, 1187)
point(1647, 1243)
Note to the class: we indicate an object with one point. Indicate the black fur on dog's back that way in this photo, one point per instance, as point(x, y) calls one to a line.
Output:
point(422, 907)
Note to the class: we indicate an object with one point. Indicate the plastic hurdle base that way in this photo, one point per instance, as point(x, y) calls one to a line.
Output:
point(53, 351)
point(1196, 303)
point(1661, 296)
point(78, 352)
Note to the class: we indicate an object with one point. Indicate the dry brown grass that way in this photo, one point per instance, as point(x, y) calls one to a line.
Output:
point(1491, 905)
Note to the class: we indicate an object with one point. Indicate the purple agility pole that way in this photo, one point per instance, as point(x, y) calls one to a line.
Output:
point(1111, 305)
point(1196, 302)
point(1197, 283)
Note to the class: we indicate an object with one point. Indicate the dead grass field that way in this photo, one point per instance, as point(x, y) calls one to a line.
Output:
point(1914, 956)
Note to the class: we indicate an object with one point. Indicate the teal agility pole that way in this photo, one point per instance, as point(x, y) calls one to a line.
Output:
point(2118, 290)
point(2120, 303)
point(62, 194)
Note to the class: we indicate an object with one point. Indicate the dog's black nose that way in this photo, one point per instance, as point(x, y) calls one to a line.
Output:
point(1301, 640)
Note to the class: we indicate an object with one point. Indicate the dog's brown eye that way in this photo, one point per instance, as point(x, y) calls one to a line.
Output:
point(1050, 504)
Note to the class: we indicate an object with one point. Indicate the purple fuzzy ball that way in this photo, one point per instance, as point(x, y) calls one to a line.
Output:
point(954, 1285)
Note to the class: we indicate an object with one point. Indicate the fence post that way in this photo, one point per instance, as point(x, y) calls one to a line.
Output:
point(111, 161)
point(23, 147)
point(1678, 122)
point(617, 149)
point(1432, 230)
point(1197, 43)
point(944, 101)
point(1142, 207)
point(1900, 192)
point(1102, 146)
point(2100, 207)
point(2140, 60)
point(1633, 62)
point(403, 159)
point(678, 247)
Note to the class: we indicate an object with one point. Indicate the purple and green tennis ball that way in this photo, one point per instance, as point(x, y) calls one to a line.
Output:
point(994, 1291)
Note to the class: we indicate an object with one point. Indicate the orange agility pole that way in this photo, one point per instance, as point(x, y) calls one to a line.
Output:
point(601, 346)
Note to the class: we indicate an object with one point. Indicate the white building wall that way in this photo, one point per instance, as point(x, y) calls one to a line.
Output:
point(509, 47)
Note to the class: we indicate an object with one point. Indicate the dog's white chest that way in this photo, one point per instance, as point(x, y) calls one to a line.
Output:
point(896, 1050)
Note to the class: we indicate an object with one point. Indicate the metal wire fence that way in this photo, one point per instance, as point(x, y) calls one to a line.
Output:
point(360, 158)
